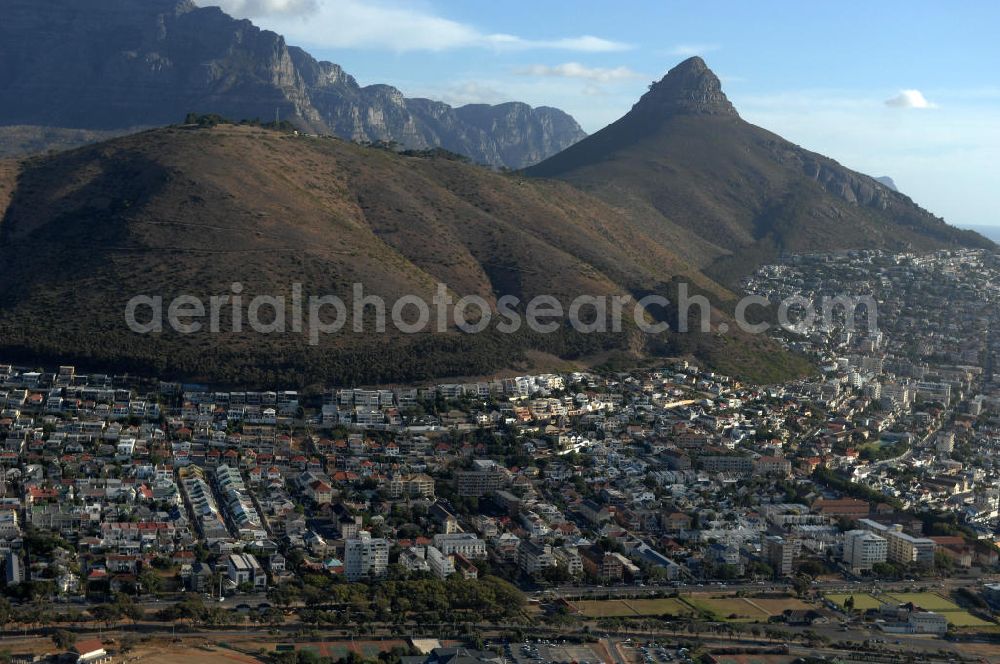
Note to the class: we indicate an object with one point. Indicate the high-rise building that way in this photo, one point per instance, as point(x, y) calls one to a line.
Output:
point(902, 548)
point(863, 548)
point(779, 553)
point(365, 557)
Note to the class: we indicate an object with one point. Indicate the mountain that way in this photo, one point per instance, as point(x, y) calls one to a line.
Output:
point(21, 140)
point(692, 173)
point(184, 210)
point(887, 181)
point(117, 64)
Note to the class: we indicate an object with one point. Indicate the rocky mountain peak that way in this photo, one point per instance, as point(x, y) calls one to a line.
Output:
point(181, 6)
point(887, 181)
point(689, 88)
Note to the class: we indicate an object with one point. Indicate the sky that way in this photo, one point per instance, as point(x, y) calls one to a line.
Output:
point(905, 89)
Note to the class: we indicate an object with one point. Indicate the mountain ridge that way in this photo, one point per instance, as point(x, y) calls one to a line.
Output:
point(97, 65)
point(187, 210)
point(683, 162)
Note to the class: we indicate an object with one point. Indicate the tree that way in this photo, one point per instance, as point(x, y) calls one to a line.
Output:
point(274, 616)
point(63, 639)
point(283, 595)
point(812, 567)
point(150, 581)
point(6, 612)
point(801, 584)
point(849, 604)
point(109, 614)
point(126, 607)
point(556, 575)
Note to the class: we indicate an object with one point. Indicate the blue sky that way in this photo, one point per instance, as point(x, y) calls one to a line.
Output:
point(905, 89)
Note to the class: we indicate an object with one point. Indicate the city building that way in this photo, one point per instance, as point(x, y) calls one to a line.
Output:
point(365, 557)
point(863, 549)
point(485, 477)
point(243, 568)
point(779, 553)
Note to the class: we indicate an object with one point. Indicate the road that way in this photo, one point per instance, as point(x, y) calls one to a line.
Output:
point(598, 592)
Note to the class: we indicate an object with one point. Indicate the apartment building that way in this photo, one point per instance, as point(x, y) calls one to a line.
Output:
point(465, 544)
point(485, 477)
point(902, 548)
point(779, 553)
point(863, 549)
point(243, 568)
point(365, 557)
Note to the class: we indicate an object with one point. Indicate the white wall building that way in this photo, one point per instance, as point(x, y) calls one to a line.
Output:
point(365, 557)
point(863, 548)
point(466, 544)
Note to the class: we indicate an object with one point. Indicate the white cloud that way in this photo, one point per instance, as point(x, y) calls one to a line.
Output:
point(258, 8)
point(576, 70)
point(585, 44)
point(909, 99)
point(394, 26)
point(471, 92)
point(689, 50)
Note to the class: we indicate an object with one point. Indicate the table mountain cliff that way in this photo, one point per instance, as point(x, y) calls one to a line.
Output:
point(117, 64)
point(194, 210)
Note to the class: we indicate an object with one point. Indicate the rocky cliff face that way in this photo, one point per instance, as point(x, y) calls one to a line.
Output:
point(689, 88)
point(112, 64)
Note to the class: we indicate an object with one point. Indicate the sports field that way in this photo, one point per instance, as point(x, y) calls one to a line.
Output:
point(736, 609)
point(862, 601)
point(622, 608)
point(606, 608)
point(926, 601)
point(955, 614)
point(658, 607)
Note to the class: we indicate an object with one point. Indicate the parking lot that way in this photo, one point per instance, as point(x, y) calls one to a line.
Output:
point(552, 651)
point(653, 653)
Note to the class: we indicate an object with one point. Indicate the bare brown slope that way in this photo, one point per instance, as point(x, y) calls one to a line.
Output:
point(8, 182)
point(182, 211)
point(682, 162)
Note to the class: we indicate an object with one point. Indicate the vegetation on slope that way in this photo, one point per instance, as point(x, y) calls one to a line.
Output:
point(195, 210)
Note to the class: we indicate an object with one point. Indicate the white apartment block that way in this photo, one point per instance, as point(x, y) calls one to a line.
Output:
point(441, 566)
point(863, 548)
point(465, 544)
point(902, 548)
point(365, 557)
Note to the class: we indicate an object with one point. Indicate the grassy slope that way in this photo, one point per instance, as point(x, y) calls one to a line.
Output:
point(178, 211)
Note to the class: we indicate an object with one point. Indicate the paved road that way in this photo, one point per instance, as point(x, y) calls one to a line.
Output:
point(583, 592)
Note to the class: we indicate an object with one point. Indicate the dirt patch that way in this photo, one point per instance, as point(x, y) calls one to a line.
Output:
point(179, 654)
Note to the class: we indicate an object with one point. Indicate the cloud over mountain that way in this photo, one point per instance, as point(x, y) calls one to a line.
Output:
point(257, 8)
point(577, 70)
point(377, 24)
point(909, 99)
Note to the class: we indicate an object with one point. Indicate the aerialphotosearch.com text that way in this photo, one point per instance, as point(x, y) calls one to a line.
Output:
point(316, 316)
